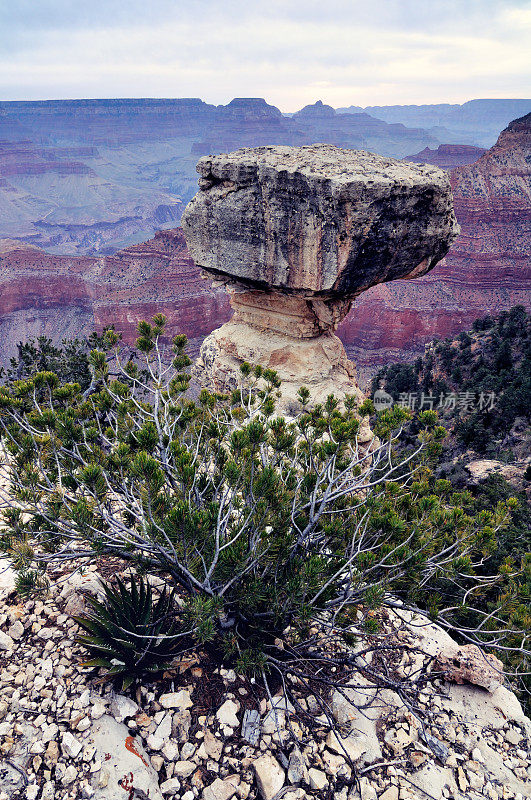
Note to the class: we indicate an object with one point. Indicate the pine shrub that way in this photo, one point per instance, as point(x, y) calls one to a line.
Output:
point(262, 524)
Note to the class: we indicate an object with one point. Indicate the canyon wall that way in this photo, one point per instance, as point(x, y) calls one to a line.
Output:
point(66, 296)
point(53, 197)
point(93, 176)
point(486, 270)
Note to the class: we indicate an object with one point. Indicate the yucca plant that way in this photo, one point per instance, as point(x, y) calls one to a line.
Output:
point(128, 634)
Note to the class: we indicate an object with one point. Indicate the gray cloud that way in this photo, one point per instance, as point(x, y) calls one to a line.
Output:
point(343, 51)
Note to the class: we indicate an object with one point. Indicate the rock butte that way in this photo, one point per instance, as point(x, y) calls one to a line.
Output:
point(296, 233)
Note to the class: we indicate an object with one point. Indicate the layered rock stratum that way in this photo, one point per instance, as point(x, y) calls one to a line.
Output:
point(296, 234)
point(487, 270)
point(62, 296)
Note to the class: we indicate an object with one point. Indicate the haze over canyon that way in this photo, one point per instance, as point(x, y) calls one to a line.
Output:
point(91, 194)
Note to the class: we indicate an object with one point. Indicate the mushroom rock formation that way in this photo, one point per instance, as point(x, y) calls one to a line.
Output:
point(295, 234)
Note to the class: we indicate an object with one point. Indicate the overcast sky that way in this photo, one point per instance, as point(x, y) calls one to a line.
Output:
point(292, 52)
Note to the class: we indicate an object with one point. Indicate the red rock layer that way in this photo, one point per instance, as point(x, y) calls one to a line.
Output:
point(487, 270)
point(69, 296)
point(448, 156)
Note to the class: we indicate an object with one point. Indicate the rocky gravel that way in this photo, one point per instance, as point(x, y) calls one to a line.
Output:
point(65, 736)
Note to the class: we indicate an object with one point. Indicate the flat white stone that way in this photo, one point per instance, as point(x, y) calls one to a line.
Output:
point(121, 754)
point(70, 745)
point(183, 769)
point(269, 776)
point(155, 742)
point(221, 789)
point(317, 779)
point(180, 700)
point(16, 631)
point(170, 787)
point(122, 707)
point(6, 641)
point(226, 714)
point(170, 751)
point(164, 728)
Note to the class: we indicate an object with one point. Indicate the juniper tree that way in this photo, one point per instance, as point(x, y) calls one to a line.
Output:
point(263, 523)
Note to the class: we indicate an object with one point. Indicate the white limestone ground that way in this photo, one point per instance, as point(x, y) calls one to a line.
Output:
point(63, 737)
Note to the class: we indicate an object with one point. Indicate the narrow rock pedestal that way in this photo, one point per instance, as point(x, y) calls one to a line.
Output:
point(296, 234)
point(319, 363)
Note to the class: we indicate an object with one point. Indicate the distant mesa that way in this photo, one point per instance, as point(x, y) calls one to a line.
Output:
point(476, 122)
point(318, 109)
point(350, 110)
point(250, 107)
point(448, 156)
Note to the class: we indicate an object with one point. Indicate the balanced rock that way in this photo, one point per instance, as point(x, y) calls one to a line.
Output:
point(295, 234)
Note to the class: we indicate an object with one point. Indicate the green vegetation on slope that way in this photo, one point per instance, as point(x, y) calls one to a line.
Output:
point(479, 382)
point(481, 385)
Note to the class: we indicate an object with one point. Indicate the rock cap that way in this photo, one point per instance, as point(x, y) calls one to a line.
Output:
point(318, 219)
